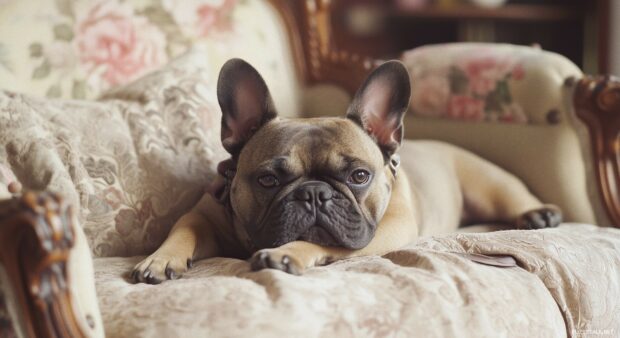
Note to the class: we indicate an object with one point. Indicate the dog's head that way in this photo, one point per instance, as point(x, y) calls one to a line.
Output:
point(323, 180)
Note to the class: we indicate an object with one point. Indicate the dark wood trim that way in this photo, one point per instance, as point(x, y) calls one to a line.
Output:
point(36, 237)
point(597, 104)
point(317, 57)
point(290, 14)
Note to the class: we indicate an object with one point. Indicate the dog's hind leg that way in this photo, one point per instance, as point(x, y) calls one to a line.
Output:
point(492, 194)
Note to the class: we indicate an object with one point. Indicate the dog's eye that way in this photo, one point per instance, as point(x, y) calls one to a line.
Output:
point(268, 181)
point(360, 176)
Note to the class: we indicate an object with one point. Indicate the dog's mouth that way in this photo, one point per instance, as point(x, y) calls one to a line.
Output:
point(338, 222)
point(318, 234)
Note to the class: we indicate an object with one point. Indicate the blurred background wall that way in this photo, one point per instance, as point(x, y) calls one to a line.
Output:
point(615, 38)
point(577, 29)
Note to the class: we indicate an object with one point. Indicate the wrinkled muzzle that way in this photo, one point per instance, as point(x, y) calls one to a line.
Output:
point(315, 212)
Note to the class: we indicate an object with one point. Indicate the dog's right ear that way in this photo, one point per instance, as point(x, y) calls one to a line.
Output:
point(245, 101)
point(380, 105)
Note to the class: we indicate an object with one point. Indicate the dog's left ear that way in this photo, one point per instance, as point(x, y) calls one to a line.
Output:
point(380, 104)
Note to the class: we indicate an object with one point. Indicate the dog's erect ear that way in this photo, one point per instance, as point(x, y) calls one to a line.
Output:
point(380, 104)
point(245, 101)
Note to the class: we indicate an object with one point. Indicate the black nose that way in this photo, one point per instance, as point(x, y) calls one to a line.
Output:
point(313, 191)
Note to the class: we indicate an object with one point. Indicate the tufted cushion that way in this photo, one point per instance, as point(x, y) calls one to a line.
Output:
point(80, 48)
point(133, 162)
point(488, 82)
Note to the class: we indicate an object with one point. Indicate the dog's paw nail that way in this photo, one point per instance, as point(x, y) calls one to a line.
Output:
point(289, 266)
point(170, 273)
point(158, 268)
point(258, 261)
point(135, 275)
point(153, 280)
point(190, 263)
point(274, 260)
point(150, 278)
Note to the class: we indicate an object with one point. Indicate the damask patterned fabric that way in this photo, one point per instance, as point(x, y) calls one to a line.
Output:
point(567, 283)
point(489, 82)
point(133, 163)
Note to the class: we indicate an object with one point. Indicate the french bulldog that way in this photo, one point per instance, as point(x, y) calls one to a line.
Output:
point(297, 193)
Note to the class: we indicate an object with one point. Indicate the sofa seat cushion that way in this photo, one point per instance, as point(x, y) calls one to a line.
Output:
point(567, 279)
point(485, 227)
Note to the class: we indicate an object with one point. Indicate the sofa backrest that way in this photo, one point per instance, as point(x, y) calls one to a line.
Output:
point(507, 104)
point(80, 48)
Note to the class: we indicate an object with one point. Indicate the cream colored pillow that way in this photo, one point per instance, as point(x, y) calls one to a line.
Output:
point(133, 162)
point(488, 82)
point(507, 104)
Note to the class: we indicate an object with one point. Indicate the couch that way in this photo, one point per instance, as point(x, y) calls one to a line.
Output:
point(119, 134)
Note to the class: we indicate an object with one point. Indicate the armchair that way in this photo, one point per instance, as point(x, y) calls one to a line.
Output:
point(46, 265)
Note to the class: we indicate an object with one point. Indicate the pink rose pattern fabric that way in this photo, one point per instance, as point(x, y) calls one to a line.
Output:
point(112, 41)
point(200, 18)
point(104, 43)
point(474, 88)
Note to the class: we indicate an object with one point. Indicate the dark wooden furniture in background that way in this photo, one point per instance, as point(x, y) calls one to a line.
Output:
point(577, 29)
point(35, 230)
point(317, 56)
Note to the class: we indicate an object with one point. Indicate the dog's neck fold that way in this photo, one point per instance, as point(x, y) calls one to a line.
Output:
point(220, 188)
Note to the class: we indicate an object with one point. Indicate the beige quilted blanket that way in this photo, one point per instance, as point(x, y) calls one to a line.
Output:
point(567, 284)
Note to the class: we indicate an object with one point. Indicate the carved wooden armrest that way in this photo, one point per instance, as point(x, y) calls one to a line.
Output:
point(36, 237)
point(597, 104)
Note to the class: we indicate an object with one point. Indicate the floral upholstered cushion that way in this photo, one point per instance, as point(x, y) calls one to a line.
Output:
point(80, 48)
point(507, 104)
point(488, 82)
point(133, 162)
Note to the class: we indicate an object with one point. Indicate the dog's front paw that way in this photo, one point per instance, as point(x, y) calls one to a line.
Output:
point(159, 267)
point(548, 216)
point(276, 259)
